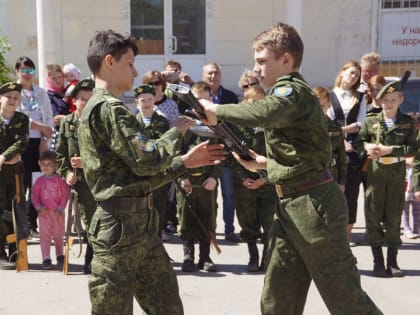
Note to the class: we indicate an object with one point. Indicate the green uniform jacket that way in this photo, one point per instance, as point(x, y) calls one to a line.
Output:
point(118, 159)
point(159, 124)
point(339, 165)
point(14, 137)
point(68, 146)
point(401, 136)
point(293, 154)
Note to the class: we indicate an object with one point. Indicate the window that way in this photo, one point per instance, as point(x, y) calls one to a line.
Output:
point(400, 4)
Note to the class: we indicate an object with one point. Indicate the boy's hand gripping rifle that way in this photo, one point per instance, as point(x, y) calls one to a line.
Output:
point(221, 130)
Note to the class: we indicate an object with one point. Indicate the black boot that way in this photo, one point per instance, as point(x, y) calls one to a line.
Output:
point(205, 262)
point(188, 264)
point(378, 262)
point(264, 259)
point(88, 258)
point(253, 257)
point(393, 269)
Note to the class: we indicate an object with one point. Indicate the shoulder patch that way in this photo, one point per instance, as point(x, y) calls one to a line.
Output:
point(283, 91)
point(145, 144)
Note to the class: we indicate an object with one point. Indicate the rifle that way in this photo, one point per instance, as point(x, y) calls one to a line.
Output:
point(73, 204)
point(404, 80)
point(209, 234)
point(19, 219)
point(221, 130)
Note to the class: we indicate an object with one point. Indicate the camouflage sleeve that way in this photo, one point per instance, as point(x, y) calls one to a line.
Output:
point(143, 156)
point(416, 170)
point(410, 145)
point(270, 112)
point(363, 137)
point(21, 133)
point(63, 152)
point(341, 162)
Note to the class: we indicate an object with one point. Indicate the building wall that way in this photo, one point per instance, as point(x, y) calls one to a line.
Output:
point(333, 31)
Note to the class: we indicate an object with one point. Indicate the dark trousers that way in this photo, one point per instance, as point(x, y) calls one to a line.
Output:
point(355, 176)
point(30, 161)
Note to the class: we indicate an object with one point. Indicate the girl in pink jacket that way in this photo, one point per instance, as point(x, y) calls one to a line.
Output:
point(50, 194)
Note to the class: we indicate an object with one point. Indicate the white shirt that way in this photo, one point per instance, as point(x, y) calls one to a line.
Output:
point(347, 101)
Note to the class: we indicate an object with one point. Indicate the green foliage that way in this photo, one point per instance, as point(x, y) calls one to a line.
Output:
point(5, 69)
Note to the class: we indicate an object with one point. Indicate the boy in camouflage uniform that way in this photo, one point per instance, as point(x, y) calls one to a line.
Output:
point(122, 167)
point(14, 133)
point(255, 199)
point(68, 157)
point(308, 238)
point(153, 124)
point(387, 138)
point(199, 191)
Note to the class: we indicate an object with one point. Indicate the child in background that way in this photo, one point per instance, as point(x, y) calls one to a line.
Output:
point(71, 78)
point(14, 137)
point(50, 194)
point(255, 199)
point(387, 138)
point(200, 192)
point(153, 124)
point(411, 232)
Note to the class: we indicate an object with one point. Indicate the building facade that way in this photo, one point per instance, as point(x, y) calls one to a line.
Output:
point(196, 32)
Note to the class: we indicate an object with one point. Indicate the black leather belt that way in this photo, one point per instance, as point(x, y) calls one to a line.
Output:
point(284, 191)
point(138, 203)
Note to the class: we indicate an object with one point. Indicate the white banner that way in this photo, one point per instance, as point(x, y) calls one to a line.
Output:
point(400, 35)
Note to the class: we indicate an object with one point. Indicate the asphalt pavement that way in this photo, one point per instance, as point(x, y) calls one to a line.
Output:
point(231, 290)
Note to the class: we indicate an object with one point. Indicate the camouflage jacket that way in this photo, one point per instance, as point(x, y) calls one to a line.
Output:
point(159, 124)
point(118, 159)
point(14, 136)
point(296, 134)
point(68, 145)
point(190, 140)
point(254, 138)
point(338, 150)
point(401, 136)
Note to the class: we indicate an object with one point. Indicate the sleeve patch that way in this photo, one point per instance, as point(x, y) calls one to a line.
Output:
point(283, 91)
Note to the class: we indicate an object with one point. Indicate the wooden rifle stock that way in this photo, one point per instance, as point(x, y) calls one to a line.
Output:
point(68, 237)
point(18, 237)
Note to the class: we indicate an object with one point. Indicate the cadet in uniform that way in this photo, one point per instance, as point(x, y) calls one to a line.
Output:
point(68, 157)
point(308, 238)
point(387, 138)
point(255, 199)
point(14, 135)
point(200, 193)
point(122, 167)
point(153, 124)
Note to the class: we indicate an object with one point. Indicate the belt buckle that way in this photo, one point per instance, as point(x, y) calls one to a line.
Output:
point(196, 174)
point(279, 191)
point(387, 160)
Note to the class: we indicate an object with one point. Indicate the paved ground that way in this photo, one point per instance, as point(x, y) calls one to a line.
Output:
point(230, 291)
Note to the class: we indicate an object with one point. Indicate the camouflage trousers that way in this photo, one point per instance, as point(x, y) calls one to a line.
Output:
point(308, 242)
point(384, 203)
point(255, 210)
point(130, 260)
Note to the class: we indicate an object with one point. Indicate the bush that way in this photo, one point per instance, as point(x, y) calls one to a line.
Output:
point(5, 69)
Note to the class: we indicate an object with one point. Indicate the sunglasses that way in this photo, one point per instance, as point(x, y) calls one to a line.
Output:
point(27, 71)
point(245, 86)
point(156, 83)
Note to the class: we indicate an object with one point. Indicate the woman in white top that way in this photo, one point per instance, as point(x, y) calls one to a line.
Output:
point(36, 104)
point(349, 111)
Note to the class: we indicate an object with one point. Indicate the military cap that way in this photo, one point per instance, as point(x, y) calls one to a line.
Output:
point(394, 86)
point(85, 84)
point(144, 88)
point(10, 86)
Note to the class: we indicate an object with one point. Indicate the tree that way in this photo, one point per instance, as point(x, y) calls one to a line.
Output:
point(5, 69)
